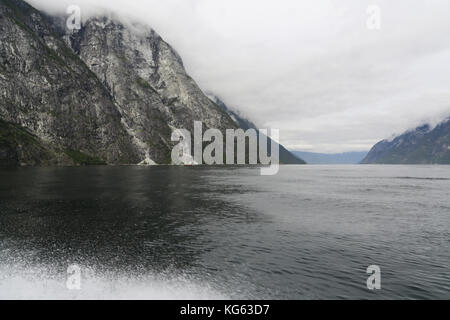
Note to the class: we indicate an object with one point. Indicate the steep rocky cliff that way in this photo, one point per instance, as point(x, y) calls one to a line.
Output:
point(48, 90)
point(110, 92)
point(424, 145)
point(147, 79)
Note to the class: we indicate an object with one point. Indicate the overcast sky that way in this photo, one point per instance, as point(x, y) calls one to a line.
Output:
point(313, 69)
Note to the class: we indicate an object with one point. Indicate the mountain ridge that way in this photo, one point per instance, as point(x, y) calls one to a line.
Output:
point(423, 145)
point(100, 94)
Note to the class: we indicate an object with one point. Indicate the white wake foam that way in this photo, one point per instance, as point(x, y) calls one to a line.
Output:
point(40, 283)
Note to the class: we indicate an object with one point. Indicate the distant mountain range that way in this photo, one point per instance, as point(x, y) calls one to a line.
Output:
point(325, 158)
point(424, 145)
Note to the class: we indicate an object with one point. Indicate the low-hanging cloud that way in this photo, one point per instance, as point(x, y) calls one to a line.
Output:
point(310, 68)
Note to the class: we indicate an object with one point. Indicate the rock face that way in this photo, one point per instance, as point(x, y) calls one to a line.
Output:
point(423, 145)
point(108, 93)
point(286, 157)
point(148, 81)
point(48, 90)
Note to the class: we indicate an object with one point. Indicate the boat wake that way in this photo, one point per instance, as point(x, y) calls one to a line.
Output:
point(41, 283)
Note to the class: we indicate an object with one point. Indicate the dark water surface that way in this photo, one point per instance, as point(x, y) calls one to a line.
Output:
point(205, 233)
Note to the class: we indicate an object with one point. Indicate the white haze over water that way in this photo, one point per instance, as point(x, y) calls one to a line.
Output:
point(309, 68)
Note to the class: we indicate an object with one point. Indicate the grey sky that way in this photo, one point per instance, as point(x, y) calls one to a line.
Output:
point(310, 68)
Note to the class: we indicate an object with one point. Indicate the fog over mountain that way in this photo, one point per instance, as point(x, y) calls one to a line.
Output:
point(314, 71)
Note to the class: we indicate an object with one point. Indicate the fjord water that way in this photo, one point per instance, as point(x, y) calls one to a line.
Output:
point(309, 232)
